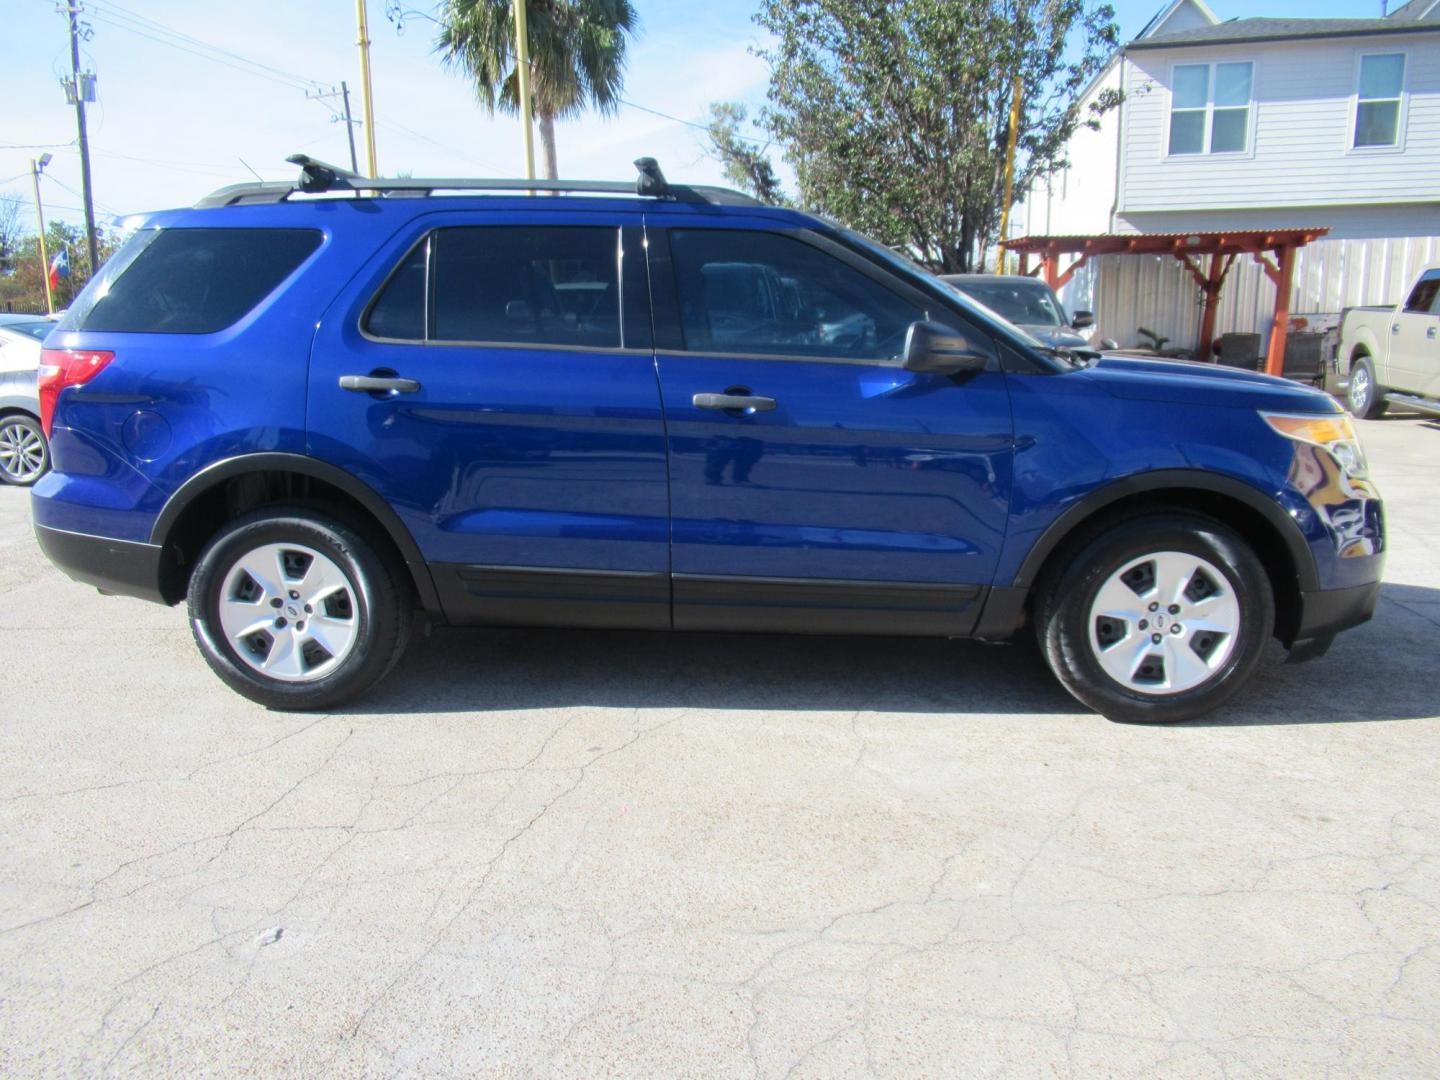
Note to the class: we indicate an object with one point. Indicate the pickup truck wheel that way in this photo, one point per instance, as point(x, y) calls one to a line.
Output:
point(297, 610)
point(1160, 618)
point(1366, 396)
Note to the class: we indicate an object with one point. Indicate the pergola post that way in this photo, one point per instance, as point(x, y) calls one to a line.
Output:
point(1213, 281)
point(1051, 267)
point(1283, 277)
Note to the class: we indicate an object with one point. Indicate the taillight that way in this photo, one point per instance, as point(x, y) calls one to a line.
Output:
point(60, 368)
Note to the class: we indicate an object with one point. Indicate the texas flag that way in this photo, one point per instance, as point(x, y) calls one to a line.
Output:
point(59, 267)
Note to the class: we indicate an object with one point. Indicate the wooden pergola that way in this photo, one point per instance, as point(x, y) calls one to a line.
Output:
point(1273, 249)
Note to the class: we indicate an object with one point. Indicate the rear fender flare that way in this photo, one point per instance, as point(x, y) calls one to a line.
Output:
point(229, 468)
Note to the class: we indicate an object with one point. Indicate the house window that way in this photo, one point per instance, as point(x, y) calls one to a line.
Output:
point(1377, 105)
point(1210, 108)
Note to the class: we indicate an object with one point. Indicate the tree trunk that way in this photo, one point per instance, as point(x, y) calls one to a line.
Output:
point(547, 143)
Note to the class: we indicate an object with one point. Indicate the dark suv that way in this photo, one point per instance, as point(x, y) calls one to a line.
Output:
point(311, 409)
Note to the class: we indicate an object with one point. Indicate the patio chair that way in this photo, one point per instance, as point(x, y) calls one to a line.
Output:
point(1240, 351)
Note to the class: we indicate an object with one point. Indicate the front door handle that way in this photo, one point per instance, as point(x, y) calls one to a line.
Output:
point(378, 384)
point(733, 401)
point(1430, 333)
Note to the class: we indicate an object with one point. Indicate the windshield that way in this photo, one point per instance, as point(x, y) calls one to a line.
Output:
point(1029, 303)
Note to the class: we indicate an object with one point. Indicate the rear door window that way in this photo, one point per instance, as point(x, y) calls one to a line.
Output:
point(518, 285)
point(189, 281)
point(544, 285)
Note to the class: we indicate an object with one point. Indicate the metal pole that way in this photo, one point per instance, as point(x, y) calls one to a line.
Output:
point(44, 256)
point(365, 92)
point(522, 78)
point(73, 9)
point(349, 126)
point(1009, 170)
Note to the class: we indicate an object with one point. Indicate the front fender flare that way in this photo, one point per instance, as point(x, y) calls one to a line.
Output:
point(1172, 479)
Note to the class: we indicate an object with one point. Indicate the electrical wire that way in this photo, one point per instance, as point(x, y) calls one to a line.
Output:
point(114, 15)
point(688, 123)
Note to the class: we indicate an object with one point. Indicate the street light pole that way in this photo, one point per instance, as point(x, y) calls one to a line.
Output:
point(35, 167)
point(522, 79)
point(365, 91)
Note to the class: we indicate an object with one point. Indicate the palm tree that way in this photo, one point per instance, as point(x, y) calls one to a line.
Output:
point(577, 56)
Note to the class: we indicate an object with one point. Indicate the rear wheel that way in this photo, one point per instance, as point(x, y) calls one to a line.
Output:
point(1159, 619)
point(24, 453)
point(297, 610)
point(1365, 396)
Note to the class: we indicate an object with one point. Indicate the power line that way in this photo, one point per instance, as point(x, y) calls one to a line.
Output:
point(687, 123)
point(103, 206)
point(112, 14)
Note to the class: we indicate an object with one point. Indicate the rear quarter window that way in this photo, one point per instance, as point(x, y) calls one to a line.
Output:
point(189, 281)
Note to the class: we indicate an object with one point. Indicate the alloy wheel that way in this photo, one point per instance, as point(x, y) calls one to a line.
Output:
point(289, 612)
point(1164, 623)
point(22, 453)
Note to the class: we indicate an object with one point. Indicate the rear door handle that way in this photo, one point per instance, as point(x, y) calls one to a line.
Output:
point(378, 384)
point(1430, 333)
point(733, 401)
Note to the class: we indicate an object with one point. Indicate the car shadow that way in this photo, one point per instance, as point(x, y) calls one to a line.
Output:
point(1368, 675)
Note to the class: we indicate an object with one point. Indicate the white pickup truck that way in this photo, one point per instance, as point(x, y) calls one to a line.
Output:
point(1392, 354)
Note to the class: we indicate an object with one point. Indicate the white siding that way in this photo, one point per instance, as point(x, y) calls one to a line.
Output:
point(1330, 275)
point(1299, 153)
point(1080, 197)
point(1344, 222)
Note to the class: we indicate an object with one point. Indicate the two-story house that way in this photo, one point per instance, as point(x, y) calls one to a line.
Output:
point(1258, 124)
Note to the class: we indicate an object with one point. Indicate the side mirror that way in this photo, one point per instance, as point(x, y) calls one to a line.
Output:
point(938, 349)
point(1083, 319)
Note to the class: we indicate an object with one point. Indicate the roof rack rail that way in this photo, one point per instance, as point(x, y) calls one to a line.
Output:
point(318, 177)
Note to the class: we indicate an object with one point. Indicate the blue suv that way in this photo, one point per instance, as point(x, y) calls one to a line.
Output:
point(314, 411)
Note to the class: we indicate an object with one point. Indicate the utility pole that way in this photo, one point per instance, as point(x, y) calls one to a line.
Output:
point(344, 94)
point(522, 78)
point(365, 90)
point(80, 90)
point(349, 125)
point(35, 168)
point(1009, 171)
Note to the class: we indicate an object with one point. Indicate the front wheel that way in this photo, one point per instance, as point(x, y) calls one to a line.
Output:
point(297, 610)
point(1159, 619)
point(24, 453)
point(1365, 396)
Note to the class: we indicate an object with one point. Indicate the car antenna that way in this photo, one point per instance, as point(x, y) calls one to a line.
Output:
point(651, 180)
point(319, 175)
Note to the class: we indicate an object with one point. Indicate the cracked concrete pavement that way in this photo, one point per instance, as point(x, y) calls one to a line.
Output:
point(591, 854)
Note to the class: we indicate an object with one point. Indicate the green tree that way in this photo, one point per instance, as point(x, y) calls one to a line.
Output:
point(746, 163)
point(894, 113)
point(577, 56)
point(22, 283)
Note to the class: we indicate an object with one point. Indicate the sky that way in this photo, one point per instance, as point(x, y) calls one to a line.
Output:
point(175, 120)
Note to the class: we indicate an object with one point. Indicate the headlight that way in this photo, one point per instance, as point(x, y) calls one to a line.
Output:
point(1333, 434)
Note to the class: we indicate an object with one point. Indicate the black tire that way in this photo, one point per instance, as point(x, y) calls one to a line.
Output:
point(1365, 397)
point(1065, 611)
point(23, 439)
point(382, 610)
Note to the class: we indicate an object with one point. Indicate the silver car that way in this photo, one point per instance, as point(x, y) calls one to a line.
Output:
point(1028, 303)
point(24, 452)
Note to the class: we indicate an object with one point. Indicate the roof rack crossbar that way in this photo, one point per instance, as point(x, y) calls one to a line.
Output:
point(319, 177)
